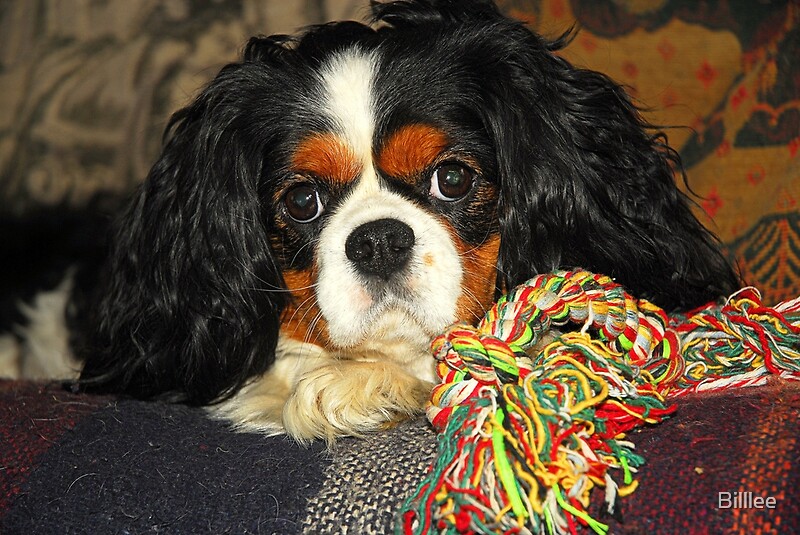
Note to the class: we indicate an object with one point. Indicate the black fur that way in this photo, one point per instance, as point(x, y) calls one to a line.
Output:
point(189, 308)
point(39, 249)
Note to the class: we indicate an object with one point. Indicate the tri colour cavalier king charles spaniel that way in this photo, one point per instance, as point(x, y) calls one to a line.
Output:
point(330, 203)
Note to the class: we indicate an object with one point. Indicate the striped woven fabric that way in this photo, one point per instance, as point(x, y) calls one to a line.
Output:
point(83, 464)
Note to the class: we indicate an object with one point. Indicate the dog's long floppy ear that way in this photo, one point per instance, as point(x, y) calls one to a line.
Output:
point(585, 181)
point(189, 307)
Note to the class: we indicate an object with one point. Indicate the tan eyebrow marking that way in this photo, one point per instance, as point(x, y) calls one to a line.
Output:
point(411, 149)
point(327, 156)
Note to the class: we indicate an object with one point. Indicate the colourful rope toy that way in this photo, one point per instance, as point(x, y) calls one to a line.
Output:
point(528, 429)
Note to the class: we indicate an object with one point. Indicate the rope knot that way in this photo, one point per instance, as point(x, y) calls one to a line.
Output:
point(528, 428)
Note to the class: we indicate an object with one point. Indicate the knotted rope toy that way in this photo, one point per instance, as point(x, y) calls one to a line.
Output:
point(528, 428)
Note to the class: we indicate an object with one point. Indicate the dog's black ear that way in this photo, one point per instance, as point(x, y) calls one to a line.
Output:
point(585, 181)
point(189, 306)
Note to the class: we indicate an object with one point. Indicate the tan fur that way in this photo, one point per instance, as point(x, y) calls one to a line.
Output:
point(480, 276)
point(302, 319)
point(312, 393)
point(411, 150)
point(352, 398)
point(259, 405)
point(327, 156)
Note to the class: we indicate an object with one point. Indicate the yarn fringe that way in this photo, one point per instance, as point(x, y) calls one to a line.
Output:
point(535, 401)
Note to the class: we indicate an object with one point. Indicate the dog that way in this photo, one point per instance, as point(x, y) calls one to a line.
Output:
point(331, 202)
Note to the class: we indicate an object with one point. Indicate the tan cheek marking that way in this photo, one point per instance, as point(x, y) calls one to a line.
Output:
point(480, 277)
point(302, 319)
point(411, 150)
point(327, 156)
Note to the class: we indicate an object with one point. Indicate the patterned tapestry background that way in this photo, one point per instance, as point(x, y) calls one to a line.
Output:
point(86, 87)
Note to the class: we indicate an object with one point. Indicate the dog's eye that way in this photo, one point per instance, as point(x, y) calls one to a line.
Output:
point(451, 181)
point(302, 203)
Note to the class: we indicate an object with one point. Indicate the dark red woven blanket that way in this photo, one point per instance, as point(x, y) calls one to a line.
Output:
point(85, 464)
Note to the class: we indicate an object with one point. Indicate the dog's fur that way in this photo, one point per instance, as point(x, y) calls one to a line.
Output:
point(327, 205)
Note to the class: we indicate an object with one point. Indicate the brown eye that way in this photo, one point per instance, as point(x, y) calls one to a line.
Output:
point(451, 181)
point(302, 203)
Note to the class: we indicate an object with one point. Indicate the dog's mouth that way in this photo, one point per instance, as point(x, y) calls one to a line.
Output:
point(395, 313)
point(392, 330)
point(407, 307)
point(397, 291)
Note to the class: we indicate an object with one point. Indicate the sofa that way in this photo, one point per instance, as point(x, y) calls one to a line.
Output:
point(86, 89)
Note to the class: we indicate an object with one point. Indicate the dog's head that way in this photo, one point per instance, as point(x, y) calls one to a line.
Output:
point(358, 184)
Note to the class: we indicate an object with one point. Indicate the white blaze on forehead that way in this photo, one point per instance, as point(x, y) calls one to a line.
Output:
point(423, 299)
point(347, 80)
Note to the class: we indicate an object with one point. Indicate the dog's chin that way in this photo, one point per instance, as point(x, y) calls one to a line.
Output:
point(394, 328)
point(395, 312)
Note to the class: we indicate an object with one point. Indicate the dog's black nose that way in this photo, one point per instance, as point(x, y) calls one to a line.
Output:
point(380, 247)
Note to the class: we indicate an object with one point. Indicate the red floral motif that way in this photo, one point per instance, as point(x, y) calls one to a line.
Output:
point(786, 201)
point(706, 73)
point(724, 149)
point(630, 69)
point(739, 96)
point(588, 43)
point(698, 124)
point(794, 147)
point(669, 98)
point(712, 203)
point(666, 49)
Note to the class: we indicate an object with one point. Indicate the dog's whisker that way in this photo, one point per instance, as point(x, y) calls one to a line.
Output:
point(284, 290)
point(270, 287)
point(471, 295)
point(311, 242)
point(298, 308)
point(310, 308)
point(311, 286)
point(312, 327)
point(477, 245)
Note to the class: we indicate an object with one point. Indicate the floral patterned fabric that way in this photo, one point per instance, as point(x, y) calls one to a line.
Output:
point(725, 75)
point(87, 87)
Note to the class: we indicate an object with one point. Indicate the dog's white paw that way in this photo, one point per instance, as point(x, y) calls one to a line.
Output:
point(351, 398)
